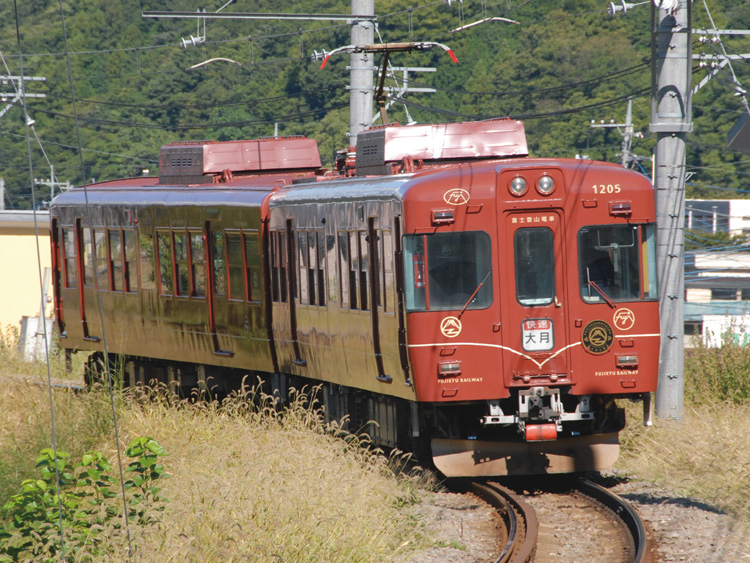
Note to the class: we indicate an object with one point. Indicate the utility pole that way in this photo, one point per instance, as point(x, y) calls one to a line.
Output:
point(361, 68)
point(671, 120)
point(361, 71)
point(626, 132)
point(19, 90)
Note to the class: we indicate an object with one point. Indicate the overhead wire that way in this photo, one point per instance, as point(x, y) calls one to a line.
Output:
point(107, 366)
point(205, 106)
point(219, 125)
point(58, 488)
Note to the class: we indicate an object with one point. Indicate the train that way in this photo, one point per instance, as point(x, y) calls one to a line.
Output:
point(449, 294)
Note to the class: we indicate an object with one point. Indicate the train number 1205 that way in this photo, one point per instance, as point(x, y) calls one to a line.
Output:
point(607, 189)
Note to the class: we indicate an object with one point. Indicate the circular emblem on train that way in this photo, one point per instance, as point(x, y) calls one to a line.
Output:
point(624, 319)
point(597, 337)
point(450, 327)
point(456, 196)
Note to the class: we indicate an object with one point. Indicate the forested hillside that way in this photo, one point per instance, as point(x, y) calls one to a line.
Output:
point(131, 90)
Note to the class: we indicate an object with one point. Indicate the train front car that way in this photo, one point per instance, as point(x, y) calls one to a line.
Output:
point(531, 300)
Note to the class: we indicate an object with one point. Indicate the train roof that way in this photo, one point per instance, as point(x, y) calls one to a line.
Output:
point(165, 196)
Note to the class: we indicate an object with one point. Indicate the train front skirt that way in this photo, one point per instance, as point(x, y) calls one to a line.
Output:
point(479, 458)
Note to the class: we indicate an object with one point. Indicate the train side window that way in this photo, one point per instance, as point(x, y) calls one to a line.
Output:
point(303, 278)
point(164, 244)
point(236, 265)
point(182, 264)
point(147, 256)
point(70, 254)
point(364, 267)
point(321, 260)
point(220, 264)
point(252, 264)
point(610, 265)
point(115, 259)
point(278, 269)
point(130, 264)
point(198, 264)
point(344, 260)
point(312, 268)
point(331, 263)
point(102, 259)
point(648, 252)
point(447, 271)
point(354, 257)
point(534, 255)
point(387, 261)
point(88, 257)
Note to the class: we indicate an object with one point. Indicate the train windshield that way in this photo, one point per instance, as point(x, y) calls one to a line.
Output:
point(448, 271)
point(535, 266)
point(617, 263)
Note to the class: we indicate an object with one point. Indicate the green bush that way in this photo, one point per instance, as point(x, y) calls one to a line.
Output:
point(718, 374)
point(67, 514)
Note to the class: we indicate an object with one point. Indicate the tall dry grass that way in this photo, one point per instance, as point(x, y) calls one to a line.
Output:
point(26, 414)
point(262, 485)
point(706, 455)
point(247, 482)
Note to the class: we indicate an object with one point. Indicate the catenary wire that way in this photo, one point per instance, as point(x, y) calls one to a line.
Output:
point(107, 367)
point(61, 528)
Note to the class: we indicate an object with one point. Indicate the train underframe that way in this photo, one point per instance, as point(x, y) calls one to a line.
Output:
point(537, 430)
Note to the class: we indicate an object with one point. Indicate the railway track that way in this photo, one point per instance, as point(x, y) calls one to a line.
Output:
point(564, 520)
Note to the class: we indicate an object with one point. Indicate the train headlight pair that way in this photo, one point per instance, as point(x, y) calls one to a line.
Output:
point(518, 186)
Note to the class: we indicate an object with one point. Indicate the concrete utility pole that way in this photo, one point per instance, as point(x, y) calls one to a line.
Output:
point(361, 80)
point(671, 120)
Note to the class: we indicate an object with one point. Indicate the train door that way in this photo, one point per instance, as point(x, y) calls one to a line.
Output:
point(91, 280)
point(534, 319)
point(217, 290)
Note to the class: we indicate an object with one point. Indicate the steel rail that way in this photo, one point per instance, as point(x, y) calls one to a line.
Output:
point(622, 510)
point(519, 517)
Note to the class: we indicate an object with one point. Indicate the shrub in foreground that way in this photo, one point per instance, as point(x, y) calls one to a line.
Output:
point(64, 515)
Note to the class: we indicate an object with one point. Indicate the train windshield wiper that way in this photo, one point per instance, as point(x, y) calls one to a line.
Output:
point(601, 292)
point(474, 294)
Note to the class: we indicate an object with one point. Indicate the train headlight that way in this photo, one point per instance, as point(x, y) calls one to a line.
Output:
point(518, 186)
point(545, 185)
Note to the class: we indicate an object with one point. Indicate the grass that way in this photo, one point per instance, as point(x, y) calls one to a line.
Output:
point(706, 455)
point(246, 482)
point(251, 483)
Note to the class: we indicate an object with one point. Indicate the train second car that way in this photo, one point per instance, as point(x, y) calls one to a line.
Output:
point(451, 295)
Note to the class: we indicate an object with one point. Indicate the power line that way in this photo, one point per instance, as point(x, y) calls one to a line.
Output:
point(606, 77)
point(201, 106)
point(137, 125)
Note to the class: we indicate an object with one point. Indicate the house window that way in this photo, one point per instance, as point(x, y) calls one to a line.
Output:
point(720, 294)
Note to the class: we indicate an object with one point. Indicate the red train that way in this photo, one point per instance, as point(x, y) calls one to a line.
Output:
point(482, 307)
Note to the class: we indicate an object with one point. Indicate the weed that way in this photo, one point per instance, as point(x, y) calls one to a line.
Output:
point(63, 515)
